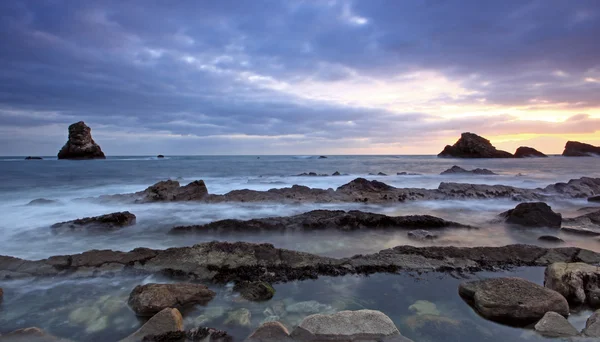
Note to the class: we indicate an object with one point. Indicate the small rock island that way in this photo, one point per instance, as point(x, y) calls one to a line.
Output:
point(80, 144)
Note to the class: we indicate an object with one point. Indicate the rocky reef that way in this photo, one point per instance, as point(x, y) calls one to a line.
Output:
point(471, 145)
point(80, 144)
point(98, 223)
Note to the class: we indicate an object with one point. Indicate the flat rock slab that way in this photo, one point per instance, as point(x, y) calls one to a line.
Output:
point(555, 325)
point(512, 301)
point(146, 300)
point(165, 321)
point(578, 282)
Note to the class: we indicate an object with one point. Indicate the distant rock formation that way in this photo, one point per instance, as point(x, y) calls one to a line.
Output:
point(33, 158)
point(322, 157)
point(528, 152)
point(473, 146)
point(577, 149)
point(459, 170)
point(80, 144)
point(160, 156)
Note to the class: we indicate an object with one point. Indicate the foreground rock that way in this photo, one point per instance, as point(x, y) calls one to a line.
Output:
point(512, 301)
point(459, 170)
point(536, 214)
point(320, 220)
point(592, 325)
point(577, 149)
point(32, 334)
point(270, 332)
point(223, 262)
point(362, 325)
point(528, 152)
point(198, 334)
point(167, 320)
point(80, 144)
point(578, 282)
point(146, 300)
point(102, 223)
point(255, 290)
point(473, 146)
point(555, 325)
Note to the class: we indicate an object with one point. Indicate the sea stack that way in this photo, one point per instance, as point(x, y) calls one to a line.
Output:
point(471, 145)
point(80, 144)
point(528, 152)
point(577, 149)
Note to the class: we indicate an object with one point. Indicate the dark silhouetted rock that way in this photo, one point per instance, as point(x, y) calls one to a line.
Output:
point(528, 152)
point(42, 201)
point(421, 234)
point(1, 294)
point(512, 301)
point(146, 300)
point(337, 173)
point(473, 146)
point(594, 199)
point(80, 144)
point(33, 158)
point(592, 325)
point(551, 238)
point(313, 174)
point(255, 290)
point(105, 222)
point(170, 191)
point(577, 149)
point(555, 325)
point(160, 156)
point(578, 282)
point(459, 170)
point(533, 214)
point(165, 321)
point(322, 157)
point(381, 174)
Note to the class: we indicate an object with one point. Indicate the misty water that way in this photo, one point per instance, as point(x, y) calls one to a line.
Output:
point(50, 303)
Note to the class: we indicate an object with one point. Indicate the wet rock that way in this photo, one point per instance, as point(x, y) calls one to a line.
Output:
point(308, 307)
point(270, 332)
point(240, 317)
point(512, 301)
point(577, 149)
point(32, 334)
point(167, 320)
point(592, 325)
point(255, 290)
point(550, 238)
point(459, 170)
point(575, 188)
point(359, 325)
point(80, 144)
point(381, 174)
point(171, 191)
point(424, 307)
point(322, 157)
point(149, 299)
point(473, 146)
point(555, 325)
point(421, 234)
point(160, 156)
point(320, 220)
point(594, 199)
point(111, 221)
point(1, 294)
point(528, 152)
point(337, 173)
point(587, 224)
point(578, 282)
point(361, 184)
point(580, 231)
point(534, 214)
point(433, 328)
point(198, 334)
point(33, 158)
point(42, 201)
point(312, 174)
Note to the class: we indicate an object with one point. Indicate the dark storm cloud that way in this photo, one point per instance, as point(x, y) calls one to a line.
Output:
point(231, 68)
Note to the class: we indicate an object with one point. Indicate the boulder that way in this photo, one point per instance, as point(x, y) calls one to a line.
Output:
point(255, 290)
point(512, 301)
point(33, 158)
point(555, 325)
point(80, 144)
point(165, 321)
point(459, 170)
point(473, 146)
point(270, 332)
point(362, 325)
point(577, 149)
point(198, 334)
point(528, 152)
point(171, 191)
point(594, 199)
point(146, 300)
point(421, 234)
point(550, 238)
point(111, 221)
point(160, 156)
point(578, 282)
point(592, 325)
point(533, 214)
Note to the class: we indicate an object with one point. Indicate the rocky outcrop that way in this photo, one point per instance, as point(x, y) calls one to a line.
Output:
point(165, 321)
point(321, 220)
point(255, 290)
point(100, 223)
point(592, 325)
point(587, 224)
point(32, 334)
point(160, 156)
point(577, 149)
point(223, 262)
point(575, 188)
point(80, 144)
point(33, 158)
point(555, 325)
point(512, 301)
point(147, 300)
point(362, 325)
point(459, 170)
point(535, 214)
point(166, 191)
point(578, 282)
point(528, 152)
point(473, 146)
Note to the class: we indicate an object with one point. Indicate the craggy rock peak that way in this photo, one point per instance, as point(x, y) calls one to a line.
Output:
point(528, 152)
point(223, 262)
point(459, 170)
point(80, 144)
point(473, 146)
point(105, 222)
point(535, 214)
point(322, 219)
point(577, 149)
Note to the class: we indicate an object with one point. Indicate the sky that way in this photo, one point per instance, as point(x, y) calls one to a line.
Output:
point(298, 77)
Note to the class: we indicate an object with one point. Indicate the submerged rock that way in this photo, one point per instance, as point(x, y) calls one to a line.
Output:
point(592, 325)
point(528, 152)
point(80, 144)
point(421, 234)
point(578, 282)
point(555, 325)
point(32, 334)
point(104, 222)
point(433, 328)
point(424, 307)
point(240, 317)
point(459, 170)
point(512, 301)
point(255, 290)
point(577, 149)
point(473, 146)
point(165, 321)
point(149, 299)
point(270, 332)
point(535, 214)
point(42, 201)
